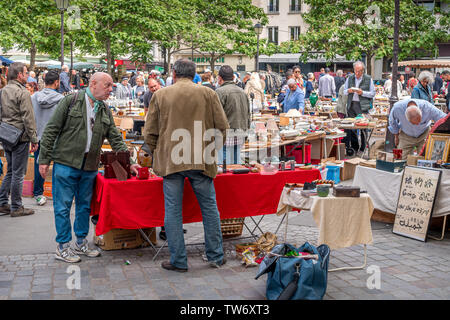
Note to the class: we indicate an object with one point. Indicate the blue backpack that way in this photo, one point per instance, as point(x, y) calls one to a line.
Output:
point(293, 278)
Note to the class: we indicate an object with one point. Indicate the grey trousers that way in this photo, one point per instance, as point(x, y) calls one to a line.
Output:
point(17, 159)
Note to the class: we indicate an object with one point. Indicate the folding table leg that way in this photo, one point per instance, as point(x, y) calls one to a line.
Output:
point(354, 268)
point(443, 231)
point(151, 243)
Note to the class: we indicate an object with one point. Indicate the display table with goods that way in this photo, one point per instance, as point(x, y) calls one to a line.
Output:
point(343, 217)
point(138, 204)
point(384, 188)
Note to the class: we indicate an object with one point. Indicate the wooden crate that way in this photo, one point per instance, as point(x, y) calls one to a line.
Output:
point(232, 227)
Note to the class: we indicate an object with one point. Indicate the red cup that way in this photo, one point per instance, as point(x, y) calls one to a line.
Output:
point(397, 154)
point(143, 173)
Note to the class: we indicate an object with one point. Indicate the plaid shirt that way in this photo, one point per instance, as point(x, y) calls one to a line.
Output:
point(235, 138)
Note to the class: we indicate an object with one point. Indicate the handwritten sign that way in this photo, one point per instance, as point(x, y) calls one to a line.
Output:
point(416, 201)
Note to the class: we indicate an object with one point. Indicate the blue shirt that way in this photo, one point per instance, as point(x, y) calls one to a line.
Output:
point(197, 78)
point(308, 89)
point(294, 100)
point(31, 79)
point(419, 92)
point(397, 117)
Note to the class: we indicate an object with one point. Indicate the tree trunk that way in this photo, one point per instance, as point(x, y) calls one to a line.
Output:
point(169, 57)
point(369, 64)
point(32, 57)
point(212, 63)
point(109, 61)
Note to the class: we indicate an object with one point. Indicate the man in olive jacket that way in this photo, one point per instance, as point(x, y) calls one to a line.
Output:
point(182, 126)
point(237, 109)
point(73, 139)
point(17, 110)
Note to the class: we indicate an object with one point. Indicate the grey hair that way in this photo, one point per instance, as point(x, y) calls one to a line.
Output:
point(339, 73)
point(184, 68)
point(426, 75)
point(310, 75)
point(65, 68)
point(359, 63)
point(412, 111)
point(291, 81)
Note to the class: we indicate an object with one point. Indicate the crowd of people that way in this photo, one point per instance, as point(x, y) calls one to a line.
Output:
point(51, 116)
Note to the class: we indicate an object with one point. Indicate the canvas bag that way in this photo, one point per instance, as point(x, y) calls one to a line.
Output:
point(9, 134)
point(283, 282)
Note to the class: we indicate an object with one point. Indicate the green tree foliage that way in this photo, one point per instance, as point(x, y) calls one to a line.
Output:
point(355, 28)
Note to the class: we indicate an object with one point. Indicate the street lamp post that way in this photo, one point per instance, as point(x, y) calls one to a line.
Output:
point(258, 29)
point(389, 141)
point(62, 5)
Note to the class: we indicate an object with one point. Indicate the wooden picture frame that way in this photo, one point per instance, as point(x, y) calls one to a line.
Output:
point(416, 201)
point(438, 147)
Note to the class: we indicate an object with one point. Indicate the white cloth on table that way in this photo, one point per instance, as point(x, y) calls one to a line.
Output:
point(384, 188)
point(293, 199)
point(343, 221)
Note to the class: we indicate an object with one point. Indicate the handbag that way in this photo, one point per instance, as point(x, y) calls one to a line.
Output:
point(296, 277)
point(9, 134)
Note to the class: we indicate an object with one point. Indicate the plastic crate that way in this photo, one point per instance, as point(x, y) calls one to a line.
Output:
point(333, 173)
point(232, 227)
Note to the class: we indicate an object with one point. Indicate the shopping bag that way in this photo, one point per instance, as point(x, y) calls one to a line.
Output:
point(294, 277)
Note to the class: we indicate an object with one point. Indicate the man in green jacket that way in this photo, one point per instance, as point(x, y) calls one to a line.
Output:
point(236, 105)
point(73, 139)
point(17, 110)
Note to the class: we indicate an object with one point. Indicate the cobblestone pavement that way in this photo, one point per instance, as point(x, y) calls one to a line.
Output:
point(409, 270)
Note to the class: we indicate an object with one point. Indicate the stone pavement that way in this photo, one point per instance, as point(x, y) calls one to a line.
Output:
point(409, 269)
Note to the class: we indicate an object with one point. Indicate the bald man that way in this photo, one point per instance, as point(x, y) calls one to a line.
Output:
point(64, 80)
point(73, 139)
point(409, 122)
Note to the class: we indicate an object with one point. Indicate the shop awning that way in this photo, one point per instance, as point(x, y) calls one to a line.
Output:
point(5, 61)
point(421, 64)
point(295, 58)
point(280, 58)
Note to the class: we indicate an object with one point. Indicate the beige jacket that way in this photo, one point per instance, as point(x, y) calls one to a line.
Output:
point(178, 117)
point(17, 110)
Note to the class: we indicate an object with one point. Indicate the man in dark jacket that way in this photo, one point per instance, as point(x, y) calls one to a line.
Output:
point(438, 83)
point(44, 104)
point(76, 80)
point(237, 109)
point(64, 80)
point(17, 110)
point(85, 124)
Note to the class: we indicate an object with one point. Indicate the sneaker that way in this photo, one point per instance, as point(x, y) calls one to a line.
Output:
point(6, 209)
point(83, 249)
point(66, 254)
point(168, 266)
point(214, 264)
point(40, 200)
point(21, 212)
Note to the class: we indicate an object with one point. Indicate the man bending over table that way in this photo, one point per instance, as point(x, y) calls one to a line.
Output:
point(409, 122)
point(73, 139)
point(177, 126)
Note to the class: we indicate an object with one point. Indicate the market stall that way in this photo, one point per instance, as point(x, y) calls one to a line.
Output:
point(136, 204)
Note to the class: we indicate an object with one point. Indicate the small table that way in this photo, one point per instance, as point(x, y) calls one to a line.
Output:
point(342, 222)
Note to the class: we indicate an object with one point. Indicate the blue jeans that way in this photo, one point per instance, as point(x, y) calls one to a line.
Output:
point(203, 187)
point(67, 183)
point(231, 153)
point(38, 184)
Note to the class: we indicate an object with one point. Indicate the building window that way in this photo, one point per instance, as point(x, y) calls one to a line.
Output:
point(273, 34)
point(273, 6)
point(295, 6)
point(295, 32)
point(240, 68)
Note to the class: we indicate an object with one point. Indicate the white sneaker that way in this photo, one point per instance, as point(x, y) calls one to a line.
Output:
point(41, 200)
point(83, 249)
point(66, 254)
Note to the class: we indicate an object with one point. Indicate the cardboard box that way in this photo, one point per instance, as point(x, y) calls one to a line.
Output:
point(117, 239)
point(348, 170)
point(368, 163)
point(315, 148)
point(412, 160)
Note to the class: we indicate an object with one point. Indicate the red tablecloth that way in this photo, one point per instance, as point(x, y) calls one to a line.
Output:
point(135, 204)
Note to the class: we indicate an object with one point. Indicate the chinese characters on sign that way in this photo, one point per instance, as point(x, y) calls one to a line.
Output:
point(415, 203)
